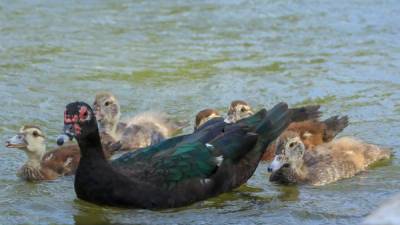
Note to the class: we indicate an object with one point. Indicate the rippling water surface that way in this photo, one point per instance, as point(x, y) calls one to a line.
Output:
point(183, 56)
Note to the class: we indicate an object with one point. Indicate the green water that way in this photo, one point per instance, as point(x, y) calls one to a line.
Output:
point(183, 56)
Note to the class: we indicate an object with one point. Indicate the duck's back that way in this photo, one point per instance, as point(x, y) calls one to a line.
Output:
point(64, 160)
point(341, 158)
point(147, 129)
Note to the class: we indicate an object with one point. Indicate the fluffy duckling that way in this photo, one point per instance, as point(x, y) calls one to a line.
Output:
point(140, 131)
point(327, 163)
point(313, 133)
point(204, 116)
point(42, 165)
point(238, 109)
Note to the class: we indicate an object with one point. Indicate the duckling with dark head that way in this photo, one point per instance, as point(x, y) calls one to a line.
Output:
point(207, 117)
point(176, 172)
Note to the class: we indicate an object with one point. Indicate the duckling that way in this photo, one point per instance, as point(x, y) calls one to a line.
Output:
point(327, 163)
point(140, 131)
point(41, 165)
point(204, 116)
point(313, 133)
point(239, 109)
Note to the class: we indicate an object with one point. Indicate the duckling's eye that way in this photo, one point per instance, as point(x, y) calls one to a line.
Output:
point(35, 133)
point(107, 103)
point(243, 109)
point(291, 145)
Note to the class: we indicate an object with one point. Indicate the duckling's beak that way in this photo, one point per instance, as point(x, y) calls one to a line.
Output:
point(276, 164)
point(18, 141)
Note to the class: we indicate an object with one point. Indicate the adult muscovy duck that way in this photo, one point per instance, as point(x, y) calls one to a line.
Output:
point(176, 172)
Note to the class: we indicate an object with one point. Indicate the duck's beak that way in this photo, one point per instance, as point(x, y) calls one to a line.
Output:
point(276, 164)
point(18, 141)
point(67, 135)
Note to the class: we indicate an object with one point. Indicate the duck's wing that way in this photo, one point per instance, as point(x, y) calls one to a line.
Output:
point(187, 162)
point(305, 113)
point(63, 160)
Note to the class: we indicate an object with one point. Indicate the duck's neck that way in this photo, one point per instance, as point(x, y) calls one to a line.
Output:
point(111, 127)
point(35, 157)
point(299, 169)
point(91, 147)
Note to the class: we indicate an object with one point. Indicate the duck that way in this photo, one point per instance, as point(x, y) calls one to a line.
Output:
point(207, 117)
point(176, 172)
point(329, 162)
point(142, 130)
point(42, 165)
point(313, 133)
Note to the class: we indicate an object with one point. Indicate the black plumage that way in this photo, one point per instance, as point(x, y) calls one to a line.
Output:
point(178, 171)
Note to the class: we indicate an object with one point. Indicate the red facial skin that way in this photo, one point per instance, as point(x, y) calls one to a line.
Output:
point(83, 113)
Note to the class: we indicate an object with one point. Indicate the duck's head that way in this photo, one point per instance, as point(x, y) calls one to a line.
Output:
point(205, 115)
point(238, 110)
point(30, 138)
point(79, 120)
point(289, 152)
point(107, 111)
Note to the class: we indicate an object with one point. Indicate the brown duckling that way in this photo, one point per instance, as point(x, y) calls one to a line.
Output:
point(42, 165)
point(327, 163)
point(139, 131)
point(313, 133)
point(204, 116)
point(238, 109)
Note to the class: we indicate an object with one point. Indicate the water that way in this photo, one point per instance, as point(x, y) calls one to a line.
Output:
point(183, 56)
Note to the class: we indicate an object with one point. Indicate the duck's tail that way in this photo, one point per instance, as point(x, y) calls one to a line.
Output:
point(305, 113)
point(334, 125)
point(274, 123)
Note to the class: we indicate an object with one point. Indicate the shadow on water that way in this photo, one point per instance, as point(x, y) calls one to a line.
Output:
point(91, 214)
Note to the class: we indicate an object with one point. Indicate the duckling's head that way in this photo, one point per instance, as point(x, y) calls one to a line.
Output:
point(238, 110)
point(79, 120)
point(30, 138)
point(289, 152)
point(107, 111)
point(205, 115)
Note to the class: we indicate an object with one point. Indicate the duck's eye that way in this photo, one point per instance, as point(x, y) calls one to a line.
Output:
point(35, 133)
point(107, 103)
point(243, 109)
point(291, 145)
